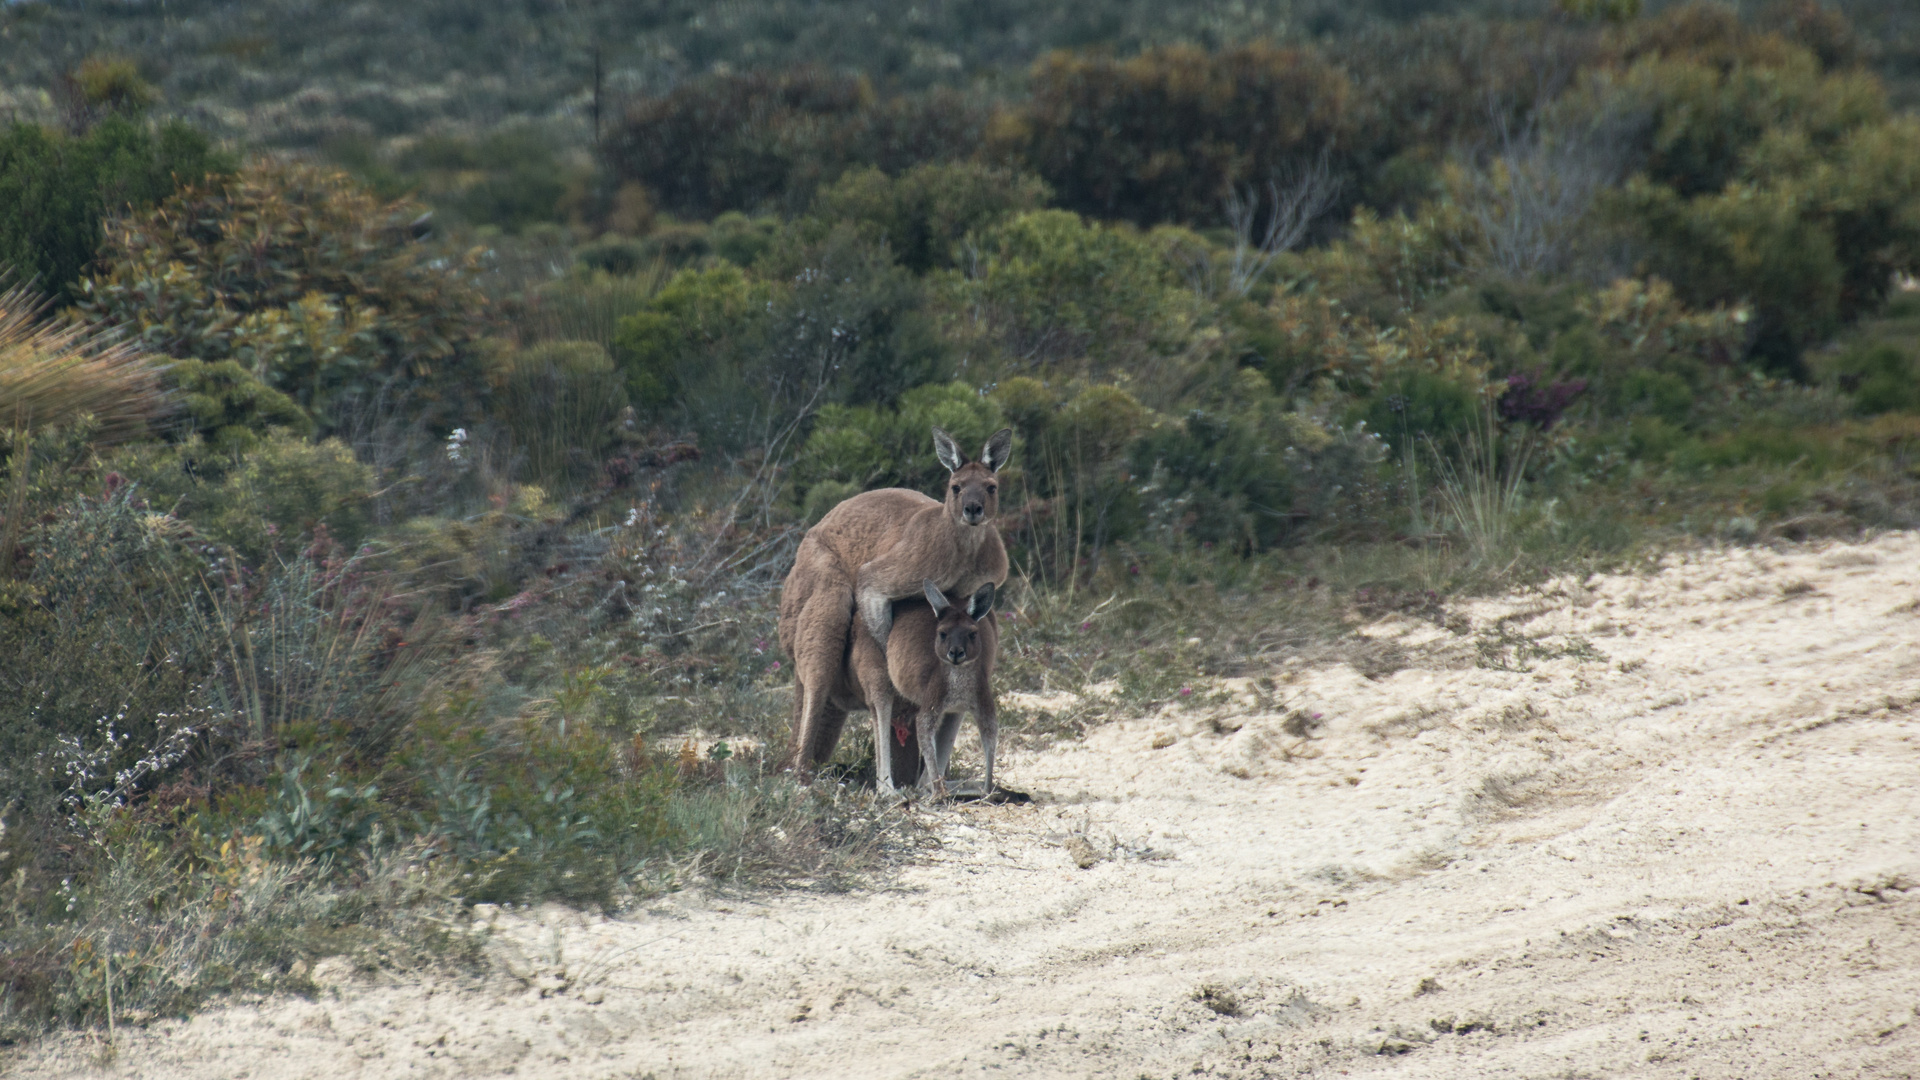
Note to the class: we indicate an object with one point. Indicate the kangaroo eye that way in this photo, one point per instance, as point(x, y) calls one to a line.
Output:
point(991, 489)
point(956, 489)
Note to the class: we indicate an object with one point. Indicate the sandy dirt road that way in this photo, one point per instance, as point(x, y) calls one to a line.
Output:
point(1679, 836)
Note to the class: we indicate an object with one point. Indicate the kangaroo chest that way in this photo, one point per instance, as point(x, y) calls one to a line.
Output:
point(963, 572)
point(960, 694)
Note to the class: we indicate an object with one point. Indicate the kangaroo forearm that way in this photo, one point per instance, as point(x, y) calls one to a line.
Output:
point(879, 584)
point(876, 614)
point(894, 576)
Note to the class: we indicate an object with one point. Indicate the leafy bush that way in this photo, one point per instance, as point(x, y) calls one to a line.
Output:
point(1642, 351)
point(1249, 474)
point(740, 360)
point(1764, 180)
point(93, 597)
point(1295, 339)
point(56, 190)
point(1164, 135)
point(561, 402)
point(109, 85)
point(587, 304)
point(925, 214)
point(1425, 87)
point(1385, 267)
point(754, 140)
point(324, 821)
point(1414, 404)
point(321, 292)
point(661, 347)
point(230, 407)
point(277, 492)
point(1882, 379)
point(856, 447)
point(510, 178)
point(1055, 293)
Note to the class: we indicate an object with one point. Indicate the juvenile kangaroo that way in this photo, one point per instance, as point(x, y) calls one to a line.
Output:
point(939, 667)
point(909, 538)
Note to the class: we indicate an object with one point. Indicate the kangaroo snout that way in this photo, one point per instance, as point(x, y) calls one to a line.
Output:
point(974, 512)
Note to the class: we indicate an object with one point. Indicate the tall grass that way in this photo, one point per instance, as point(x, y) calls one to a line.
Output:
point(588, 307)
point(53, 373)
point(1481, 488)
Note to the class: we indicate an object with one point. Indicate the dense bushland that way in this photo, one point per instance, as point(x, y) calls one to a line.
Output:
point(381, 538)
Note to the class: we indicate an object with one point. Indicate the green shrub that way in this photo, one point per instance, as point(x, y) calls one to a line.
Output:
point(1641, 350)
point(1881, 378)
point(1664, 394)
point(323, 294)
point(511, 178)
point(740, 239)
point(280, 489)
point(1296, 339)
point(850, 321)
point(1425, 86)
point(1250, 475)
point(757, 141)
point(56, 190)
point(588, 305)
point(1072, 471)
point(857, 447)
point(1162, 136)
point(739, 359)
point(322, 820)
point(230, 406)
point(1411, 405)
point(613, 254)
point(1653, 438)
point(1063, 297)
point(1706, 121)
point(1387, 266)
point(561, 402)
point(105, 590)
point(1758, 443)
point(662, 348)
point(732, 236)
point(111, 85)
point(1764, 180)
point(925, 214)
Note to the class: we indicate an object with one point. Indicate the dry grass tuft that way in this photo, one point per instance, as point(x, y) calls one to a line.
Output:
point(53, 373)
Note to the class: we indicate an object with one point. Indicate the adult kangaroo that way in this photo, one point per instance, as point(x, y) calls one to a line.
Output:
point(884, 545)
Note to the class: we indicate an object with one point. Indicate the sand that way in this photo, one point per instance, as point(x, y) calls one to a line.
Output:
point(1679, 837)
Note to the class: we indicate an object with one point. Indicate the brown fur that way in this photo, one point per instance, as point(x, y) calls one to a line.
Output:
point(952, 545)
point(906, 532)
point(938, 667)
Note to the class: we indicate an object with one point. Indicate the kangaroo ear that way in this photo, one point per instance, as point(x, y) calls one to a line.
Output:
point(999, 449)
point(981, 602)
point(935, 597)
point(947, 451)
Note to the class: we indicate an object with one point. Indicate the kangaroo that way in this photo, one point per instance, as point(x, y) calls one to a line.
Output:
point(942, 543)
point(897, 761)
point(905, 538)
point(938, 668)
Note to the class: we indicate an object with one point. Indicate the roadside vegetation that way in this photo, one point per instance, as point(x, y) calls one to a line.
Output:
point(397, 524)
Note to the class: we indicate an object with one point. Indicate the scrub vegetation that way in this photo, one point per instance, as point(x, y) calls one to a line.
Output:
point(404, 430)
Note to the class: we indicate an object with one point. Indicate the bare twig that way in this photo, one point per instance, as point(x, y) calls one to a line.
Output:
point(1298, 197)
point(1541, 181)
